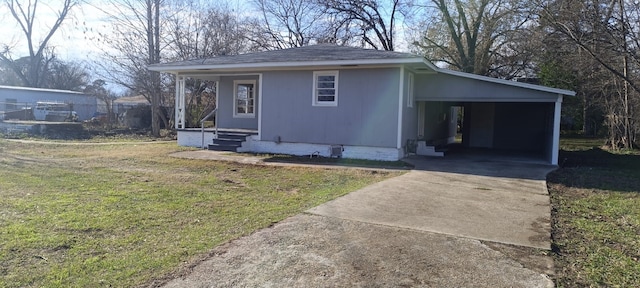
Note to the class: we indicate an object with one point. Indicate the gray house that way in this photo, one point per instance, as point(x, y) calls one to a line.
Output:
point(367, 104)
point(14, 98)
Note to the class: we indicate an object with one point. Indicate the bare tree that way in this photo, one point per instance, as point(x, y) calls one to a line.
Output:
point(486, 37)
point(285, 23)
point(375, 21)
point(607, 32)
point(201, 31)
point(25, 14)
point(57, 74)
point(66, 76)
point(135, 42)
point(8, 76)
point(97, 88)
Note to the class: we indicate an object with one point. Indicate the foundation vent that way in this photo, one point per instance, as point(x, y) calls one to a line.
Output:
point(336, 151)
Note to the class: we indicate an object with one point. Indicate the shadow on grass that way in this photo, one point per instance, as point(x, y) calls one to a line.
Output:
point(596, 157)
point(307, 160)
point(598, 169)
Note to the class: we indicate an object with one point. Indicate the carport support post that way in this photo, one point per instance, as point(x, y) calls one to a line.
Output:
point(556, 131)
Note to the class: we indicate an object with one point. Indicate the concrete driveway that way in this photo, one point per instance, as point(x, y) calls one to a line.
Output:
point(498, 201)
point(420, 229)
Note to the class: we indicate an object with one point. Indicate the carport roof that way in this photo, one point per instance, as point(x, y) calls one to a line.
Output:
point(314, 56)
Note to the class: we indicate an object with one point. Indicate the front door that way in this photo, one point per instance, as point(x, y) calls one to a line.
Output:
point(238, 103)
point(244, 99)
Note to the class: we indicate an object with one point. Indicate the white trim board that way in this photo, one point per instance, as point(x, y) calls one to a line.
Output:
point(259, 99)
point(235, 99)
point(43, 90)
point(324, 150)
point(483, 99)
point(314, 96)
point(292, 64)
point(400, 108)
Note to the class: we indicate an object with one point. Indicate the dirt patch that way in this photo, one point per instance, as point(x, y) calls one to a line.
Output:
point(315, 251)
point(538, 260)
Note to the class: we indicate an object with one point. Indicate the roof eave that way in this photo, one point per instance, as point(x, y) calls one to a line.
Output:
point(293, 64)
point(41, 90)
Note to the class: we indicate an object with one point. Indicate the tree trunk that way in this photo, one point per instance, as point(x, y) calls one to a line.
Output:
point(627, 141)
point(153, 12)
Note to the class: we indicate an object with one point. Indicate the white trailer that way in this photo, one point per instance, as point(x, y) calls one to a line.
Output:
point(54, 112)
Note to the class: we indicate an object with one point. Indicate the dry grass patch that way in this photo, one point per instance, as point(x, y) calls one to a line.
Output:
point(123, 215)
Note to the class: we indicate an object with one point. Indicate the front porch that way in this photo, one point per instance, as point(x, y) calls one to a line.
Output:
point(235, 115)
point(237, 104)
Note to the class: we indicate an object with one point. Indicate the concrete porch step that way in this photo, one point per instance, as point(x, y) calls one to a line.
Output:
point(222, 147)
point(229, 140)
point(232, 136)
point(426, 150)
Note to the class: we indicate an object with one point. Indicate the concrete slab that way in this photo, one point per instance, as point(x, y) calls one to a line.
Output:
point(314, 251)
point(498, 201)
point(504, 202)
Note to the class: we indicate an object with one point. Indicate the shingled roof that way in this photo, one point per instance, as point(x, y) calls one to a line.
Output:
point(326, 55)
point(313, 53)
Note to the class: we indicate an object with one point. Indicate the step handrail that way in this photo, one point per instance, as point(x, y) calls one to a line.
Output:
point(205, 118)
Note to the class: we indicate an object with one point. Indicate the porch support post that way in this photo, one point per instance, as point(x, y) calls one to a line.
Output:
point(400, 108)
point(555, 150)
point(180, 102)
point(217, 106)
point(260, 106)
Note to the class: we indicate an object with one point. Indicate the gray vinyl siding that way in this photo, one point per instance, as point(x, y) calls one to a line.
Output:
point(480, 124)
point(366, 115)
point(444, 87)
point(438, 122)
point(225, 104)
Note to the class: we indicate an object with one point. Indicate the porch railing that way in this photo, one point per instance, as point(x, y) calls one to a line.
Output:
point(212, 113)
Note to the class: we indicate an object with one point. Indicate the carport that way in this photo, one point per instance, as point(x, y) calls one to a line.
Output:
point(492, 114)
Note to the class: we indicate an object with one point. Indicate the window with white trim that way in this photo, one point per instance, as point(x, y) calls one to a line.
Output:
point(244, 98)
point(410, 95)
point(325, 88)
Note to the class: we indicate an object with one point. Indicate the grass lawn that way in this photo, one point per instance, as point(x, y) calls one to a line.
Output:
point(123, 215)
point(596, 216)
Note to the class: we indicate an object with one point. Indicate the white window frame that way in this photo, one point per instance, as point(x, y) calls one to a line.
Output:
point(235, 99)
point(410, 94)
point(314, 93)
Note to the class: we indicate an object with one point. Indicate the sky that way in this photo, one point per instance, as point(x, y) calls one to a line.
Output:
point(77, 39)
point(73, 41)
point(70, 41)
